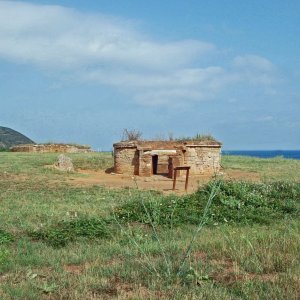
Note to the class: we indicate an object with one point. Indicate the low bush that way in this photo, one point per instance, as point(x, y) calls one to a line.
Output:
point(5, 237)
point(197, 137)
point(59, 235)
point(4, 256)
point(132, 135)
point(235, 203)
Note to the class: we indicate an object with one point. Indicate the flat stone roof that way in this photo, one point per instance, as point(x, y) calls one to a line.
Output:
point(167, 144)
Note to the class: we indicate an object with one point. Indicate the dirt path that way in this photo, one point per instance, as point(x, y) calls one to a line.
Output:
point(156, 182)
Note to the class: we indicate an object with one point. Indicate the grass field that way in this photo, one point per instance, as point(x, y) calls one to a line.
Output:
point(59, 241)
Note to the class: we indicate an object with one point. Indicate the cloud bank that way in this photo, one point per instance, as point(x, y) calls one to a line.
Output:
point(113, 52)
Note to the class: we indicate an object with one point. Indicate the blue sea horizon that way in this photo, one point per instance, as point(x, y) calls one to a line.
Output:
point(292, 154)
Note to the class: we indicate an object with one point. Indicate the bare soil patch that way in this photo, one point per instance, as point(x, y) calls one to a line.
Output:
point(199, 255)
point(232, 174)
point(8, 176)
point(74, 269)
point(120, 289)
point(230, 273)
point(155, 182)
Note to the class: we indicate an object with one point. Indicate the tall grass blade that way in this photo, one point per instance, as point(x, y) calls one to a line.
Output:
point(150, 266)
point(201, 224)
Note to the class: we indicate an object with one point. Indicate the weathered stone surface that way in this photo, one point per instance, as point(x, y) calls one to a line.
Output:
point(64, 163)
point(138, 157)
point(145, 165)
point(203, 160)
point(51, 148)
point(126, 161)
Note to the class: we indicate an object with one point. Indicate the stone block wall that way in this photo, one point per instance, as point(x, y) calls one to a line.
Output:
point(136, 157)
point(145, 167)
point(126, 161)
point(203, 160)
point(51, 148)
point(176, 161)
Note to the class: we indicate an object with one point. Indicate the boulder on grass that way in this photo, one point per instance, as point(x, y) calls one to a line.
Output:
point(64, 163)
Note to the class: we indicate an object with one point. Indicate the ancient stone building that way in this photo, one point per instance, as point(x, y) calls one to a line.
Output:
point(146, 158)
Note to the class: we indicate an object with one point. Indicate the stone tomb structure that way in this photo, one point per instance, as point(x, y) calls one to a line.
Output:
point(147, 158)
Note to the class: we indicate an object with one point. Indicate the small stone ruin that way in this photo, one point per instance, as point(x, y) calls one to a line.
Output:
point(147, 158)
point(51, 148)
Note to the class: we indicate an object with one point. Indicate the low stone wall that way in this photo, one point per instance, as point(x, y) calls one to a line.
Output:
point(51, 148)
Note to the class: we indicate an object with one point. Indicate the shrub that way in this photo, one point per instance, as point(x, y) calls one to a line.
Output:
point(4, 256)
point(197, 137)
point(59, 235)
point(235, 203)
point(131, 135)
point(5, 237)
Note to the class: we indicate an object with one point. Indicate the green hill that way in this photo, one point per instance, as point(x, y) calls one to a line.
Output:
point(10, 137)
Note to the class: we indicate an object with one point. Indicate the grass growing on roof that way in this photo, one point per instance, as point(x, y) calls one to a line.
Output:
point(197, 137)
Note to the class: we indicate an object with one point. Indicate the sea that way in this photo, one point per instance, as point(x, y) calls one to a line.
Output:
point(292, 154)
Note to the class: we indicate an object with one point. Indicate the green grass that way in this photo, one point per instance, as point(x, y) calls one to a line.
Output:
point(59, 235)
point(197, 137)
point(34, 163)
point(58, 241)
point(236, 203)
point(269, 169)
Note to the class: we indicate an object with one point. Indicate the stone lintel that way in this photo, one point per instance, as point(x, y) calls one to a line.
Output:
point(125, 145)
point(161, 152)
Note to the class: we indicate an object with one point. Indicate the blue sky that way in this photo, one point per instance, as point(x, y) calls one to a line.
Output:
point(82, 71)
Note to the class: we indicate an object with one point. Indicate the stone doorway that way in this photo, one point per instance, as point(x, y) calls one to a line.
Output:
point(154, 164)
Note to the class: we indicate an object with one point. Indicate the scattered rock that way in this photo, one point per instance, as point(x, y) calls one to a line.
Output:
point(64, 163)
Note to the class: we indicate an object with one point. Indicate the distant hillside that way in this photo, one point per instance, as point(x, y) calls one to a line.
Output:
point(10, 137)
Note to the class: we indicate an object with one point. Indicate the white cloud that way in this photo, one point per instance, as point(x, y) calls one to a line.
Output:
point(54, 36)
point(253, 62)
point(255, 69)
point(112, 51)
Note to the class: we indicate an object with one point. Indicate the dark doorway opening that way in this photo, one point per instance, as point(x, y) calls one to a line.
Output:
point(154, 164)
